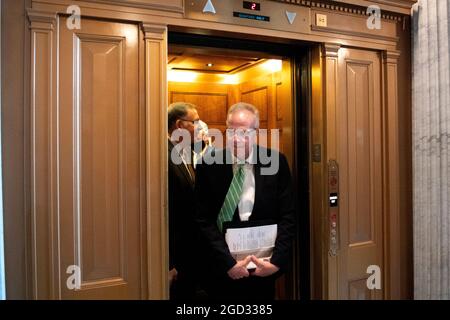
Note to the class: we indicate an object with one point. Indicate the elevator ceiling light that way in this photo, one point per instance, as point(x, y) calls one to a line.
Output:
point(209, 64)
point(273, 65)
point(230, 79)
point(181, 76)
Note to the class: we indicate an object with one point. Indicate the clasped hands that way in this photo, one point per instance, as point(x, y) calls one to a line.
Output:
point(263, 268)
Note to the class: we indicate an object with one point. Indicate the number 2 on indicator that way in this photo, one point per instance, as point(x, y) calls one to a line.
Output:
point(253, 6)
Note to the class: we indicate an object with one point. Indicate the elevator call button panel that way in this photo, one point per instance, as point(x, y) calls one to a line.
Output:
point(333, 207)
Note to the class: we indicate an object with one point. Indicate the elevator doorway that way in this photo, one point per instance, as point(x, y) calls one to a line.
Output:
point(274, 78)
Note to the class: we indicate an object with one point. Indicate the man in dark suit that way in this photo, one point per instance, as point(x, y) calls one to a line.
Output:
point(182, 120)
point(264, 194)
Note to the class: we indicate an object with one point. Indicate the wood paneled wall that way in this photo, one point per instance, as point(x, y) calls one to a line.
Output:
point(15, 82)
point(29, 98)
point(100, 158)
point(359, 154)
point(270, 93)
point(211, 99)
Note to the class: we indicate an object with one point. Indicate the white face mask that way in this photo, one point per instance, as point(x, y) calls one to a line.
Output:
point(201, 130)
point(201, 139)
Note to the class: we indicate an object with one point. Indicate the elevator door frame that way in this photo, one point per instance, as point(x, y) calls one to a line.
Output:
point(300, 287)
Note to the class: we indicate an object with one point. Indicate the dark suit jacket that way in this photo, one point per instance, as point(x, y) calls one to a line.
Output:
point(182, 227)
point(274, 200)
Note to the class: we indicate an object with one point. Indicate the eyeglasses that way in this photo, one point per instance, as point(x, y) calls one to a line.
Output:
point(194, 122)
point(240, 132)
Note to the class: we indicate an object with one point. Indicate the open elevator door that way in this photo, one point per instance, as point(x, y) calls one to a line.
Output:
point(267, 75)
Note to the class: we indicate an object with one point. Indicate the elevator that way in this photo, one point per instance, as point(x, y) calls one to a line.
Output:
point(269, 76)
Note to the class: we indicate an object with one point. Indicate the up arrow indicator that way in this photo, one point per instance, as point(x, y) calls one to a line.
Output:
point(291, 16)
point(209, 7)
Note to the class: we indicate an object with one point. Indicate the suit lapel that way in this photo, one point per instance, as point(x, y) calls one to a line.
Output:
point(181, 167)
point(259, 181)
point(228, 173)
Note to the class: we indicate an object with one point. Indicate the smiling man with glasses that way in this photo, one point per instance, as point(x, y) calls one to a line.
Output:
point(236, 191)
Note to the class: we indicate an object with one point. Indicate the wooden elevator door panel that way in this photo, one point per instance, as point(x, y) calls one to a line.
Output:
point(359, 155)
point(100, 180)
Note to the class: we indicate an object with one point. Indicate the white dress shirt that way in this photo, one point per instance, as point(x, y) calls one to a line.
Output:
point(247, 200)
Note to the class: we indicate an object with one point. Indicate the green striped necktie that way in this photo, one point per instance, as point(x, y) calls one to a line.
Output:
point(232, 198)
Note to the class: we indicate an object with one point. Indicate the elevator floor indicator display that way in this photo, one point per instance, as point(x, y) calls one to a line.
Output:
point(250, 16)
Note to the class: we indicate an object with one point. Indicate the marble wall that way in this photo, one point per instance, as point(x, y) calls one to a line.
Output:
point(431, 144)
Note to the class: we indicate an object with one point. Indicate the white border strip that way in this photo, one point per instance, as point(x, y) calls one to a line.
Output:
point(2, 263)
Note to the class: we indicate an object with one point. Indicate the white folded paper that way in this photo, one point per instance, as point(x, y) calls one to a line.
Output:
point(258, 241)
